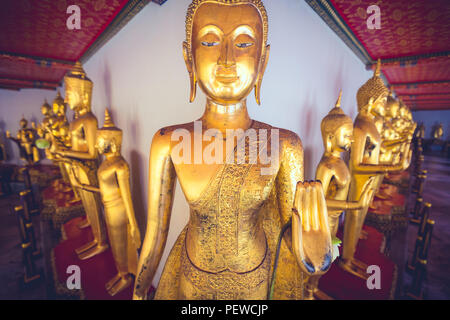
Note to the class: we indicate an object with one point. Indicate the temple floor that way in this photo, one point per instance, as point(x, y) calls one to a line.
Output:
point(399, 247)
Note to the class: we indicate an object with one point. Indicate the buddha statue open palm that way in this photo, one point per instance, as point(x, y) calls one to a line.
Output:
point(240, 177)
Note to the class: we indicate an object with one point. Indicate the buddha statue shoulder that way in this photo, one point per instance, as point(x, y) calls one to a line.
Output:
point(242, 179)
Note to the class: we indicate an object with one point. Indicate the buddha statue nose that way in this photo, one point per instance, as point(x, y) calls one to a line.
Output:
point(226, 58)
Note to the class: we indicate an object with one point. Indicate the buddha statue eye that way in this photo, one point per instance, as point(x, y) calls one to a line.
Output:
point(243, 45)
point(209, 44)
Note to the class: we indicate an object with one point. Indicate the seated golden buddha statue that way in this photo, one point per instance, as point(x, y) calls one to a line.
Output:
point(238, 201)
point(25, 140)
point(114, 187)
point(337, 135)
point(364, 164)
point(83, 157)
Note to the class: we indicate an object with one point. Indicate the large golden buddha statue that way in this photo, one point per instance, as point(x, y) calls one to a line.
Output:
point(83, 157)
point(364, 164)
point(114, 187)
point(239, 199)
point(337, 135)
point(25, 140)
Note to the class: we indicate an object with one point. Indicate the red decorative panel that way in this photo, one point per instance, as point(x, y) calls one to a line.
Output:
point(38, 27)
point(431, 69)
point(423, 88)
point(407, 27)
point(25, 69)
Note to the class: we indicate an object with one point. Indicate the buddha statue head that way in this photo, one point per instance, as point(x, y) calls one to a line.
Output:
point(45, 109)
point(78, 89)
point(337, 129)
point(392, 106)
point(59, 107)
point(109, 137)
point(23, 123)
point(372, 95)
point(226, 49)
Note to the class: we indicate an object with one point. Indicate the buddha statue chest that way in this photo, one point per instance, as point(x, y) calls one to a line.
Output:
point(225, 228)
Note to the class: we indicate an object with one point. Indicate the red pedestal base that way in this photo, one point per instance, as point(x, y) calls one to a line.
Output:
point(95, 272)
point(341, 285)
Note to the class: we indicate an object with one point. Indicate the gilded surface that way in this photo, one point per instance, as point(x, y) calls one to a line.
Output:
point(228, 247)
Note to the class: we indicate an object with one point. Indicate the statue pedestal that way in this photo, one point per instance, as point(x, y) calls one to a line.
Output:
point(342, 285)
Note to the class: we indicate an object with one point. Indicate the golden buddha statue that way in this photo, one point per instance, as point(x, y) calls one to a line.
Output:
point(238, 204)
point(25, 140)
point(364, 164)
point(44, 130)
point(337, 135)
point(83, 157)
point(114, 187)
point(420, 133)
point(438, 132)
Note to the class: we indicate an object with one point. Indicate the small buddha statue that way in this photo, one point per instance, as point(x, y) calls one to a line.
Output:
point(337, 135)
point(365, 164)
point(114, 187)
point(83, 157)
point(238, 209)
point(438, 132)
point(25, 140)
point(44, 130)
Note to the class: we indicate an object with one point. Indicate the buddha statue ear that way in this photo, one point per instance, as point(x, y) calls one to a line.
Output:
point(264, 60)
point(329, 142)
point(190, 67)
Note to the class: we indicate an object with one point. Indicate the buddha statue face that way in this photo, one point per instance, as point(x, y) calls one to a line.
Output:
point(227, 53)
point(392, 107)
point(343, 137)
point(45, 110)
point(78, 89)
point(379, 106)
point(23, 123)
point(108, 141)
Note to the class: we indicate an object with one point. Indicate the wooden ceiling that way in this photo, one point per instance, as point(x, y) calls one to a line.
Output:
point(413, 43)
point(37, 48)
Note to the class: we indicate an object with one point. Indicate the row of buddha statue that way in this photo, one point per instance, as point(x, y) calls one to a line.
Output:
point(249, 235)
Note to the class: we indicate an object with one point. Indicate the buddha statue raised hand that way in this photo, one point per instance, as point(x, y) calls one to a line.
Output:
point(114, 187)
point(364, 165)
point(239, 199)
point(337, 135)
point(82, 157)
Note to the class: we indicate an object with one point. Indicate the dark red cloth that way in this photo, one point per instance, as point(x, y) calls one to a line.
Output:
point(95, 272)
point(341, 285)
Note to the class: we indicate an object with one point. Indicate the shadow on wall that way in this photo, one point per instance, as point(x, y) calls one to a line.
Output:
point(138, 180)
point(307, 134)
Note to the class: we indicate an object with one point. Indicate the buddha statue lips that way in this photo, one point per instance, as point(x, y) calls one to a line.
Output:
point(236, 213)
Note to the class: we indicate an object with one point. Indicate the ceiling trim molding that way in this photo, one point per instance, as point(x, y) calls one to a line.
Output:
point(131, 9)
point(332, 18)
point(40, 61)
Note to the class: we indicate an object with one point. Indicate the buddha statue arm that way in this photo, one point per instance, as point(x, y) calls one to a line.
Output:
point(76, 183)
point(389, 144)
point(324, 174)
point(310, 233)
point(357, 153)
point(90, 130)
point(123, 179)
point(162, 178)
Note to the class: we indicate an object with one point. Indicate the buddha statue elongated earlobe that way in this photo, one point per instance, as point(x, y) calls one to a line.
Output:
point(265, 59)
point(190, 67)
